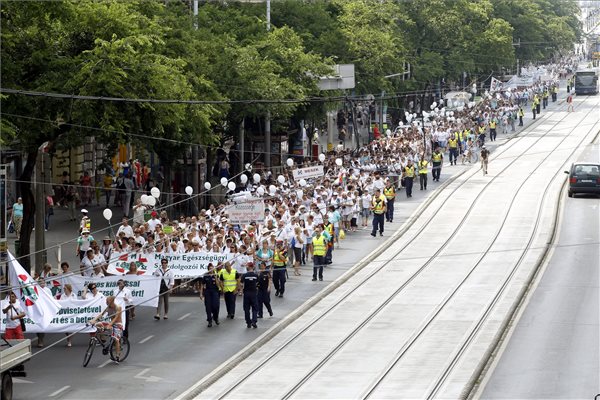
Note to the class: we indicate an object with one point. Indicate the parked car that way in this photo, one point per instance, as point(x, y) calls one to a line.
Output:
point(584, 178)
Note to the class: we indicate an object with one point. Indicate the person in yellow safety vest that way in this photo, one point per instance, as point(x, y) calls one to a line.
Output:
point(521, 114)
point(493, 124)
point(328, 231)
point(453, 147)
point(533, 108)
point(279, 264)
point(554, 93)
point(319, 250)
point(537, 104)
point(545, 97)
point(231, 284)
point(437, 158)
point(390, 195)
point(481, 131)
point(423, 164)
point(378, 207)
point(409, 175)
point(86, 222)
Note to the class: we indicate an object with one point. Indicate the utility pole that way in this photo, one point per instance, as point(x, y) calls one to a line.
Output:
point(40, 213)
point(268, 117)
point(242, 145)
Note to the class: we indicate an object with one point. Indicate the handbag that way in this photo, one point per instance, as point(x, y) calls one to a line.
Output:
point(21, 320)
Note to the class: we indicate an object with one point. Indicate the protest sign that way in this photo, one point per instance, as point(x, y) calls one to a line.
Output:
point(246, 212)
point(144, 288)
point(308, 172)
point(72, 317)
point(184, 265)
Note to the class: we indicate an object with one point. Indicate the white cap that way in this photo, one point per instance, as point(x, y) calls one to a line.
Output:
point(84, 211)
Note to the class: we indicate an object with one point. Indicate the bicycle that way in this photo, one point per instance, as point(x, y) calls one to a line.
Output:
point(108, 346)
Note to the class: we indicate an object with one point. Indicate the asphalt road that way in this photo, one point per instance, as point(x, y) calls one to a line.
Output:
point(553, 352)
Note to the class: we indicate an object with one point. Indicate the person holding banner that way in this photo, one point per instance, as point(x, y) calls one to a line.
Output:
point(68, 294)
point(166, 284)
point(210, 286)
point(14, 313)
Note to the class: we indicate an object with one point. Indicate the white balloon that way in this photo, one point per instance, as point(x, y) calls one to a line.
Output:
point(231, 186)
point(302, 182)
point(281, 179)
point(338, 162)
point(260, 190)
point(223, 181)
point(248, 167)
point(151, 201)
point(289, 162)
point(107, 213)
point(244, 178)
point(272, 189)
point(189, 190)
point(256, 178)
point(321, 157)
point(207, 185)
point(144, 199)
point(155, 192)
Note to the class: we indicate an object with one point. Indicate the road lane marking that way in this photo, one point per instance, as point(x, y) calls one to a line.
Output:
point(59, 391)
point(105, 363)
point(146, 339)
point(184, 316)
point(152, 378)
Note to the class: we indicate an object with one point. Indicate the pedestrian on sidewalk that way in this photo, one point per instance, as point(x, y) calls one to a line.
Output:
point(17, 216)
point(49, 211)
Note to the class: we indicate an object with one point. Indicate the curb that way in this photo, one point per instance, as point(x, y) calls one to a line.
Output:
point(246, 352)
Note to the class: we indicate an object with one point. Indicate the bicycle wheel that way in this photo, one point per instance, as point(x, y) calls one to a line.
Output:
point(124, 349)
point(90, 350)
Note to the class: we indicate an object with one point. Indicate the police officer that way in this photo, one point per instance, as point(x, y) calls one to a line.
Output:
point(437, 159)
point(493, 124)
point(279, 264)
point(319, 250)
point(230, 281)
point(210, 286)
point(409, 175)
point(378, 207)
point(423, 164)
point(390, 195)
point(264, 290)
point(250, 284)
point(545, 97)
point(521, 114)
point(533, 108)
point(453, 146)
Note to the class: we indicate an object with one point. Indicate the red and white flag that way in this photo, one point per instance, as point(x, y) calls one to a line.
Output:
point(37, 303)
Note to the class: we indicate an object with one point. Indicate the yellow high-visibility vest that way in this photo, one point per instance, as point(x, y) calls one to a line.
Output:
point(279, 260)
point(319, 246)
point(453, 143)
point(229, 280)
point(493, 125)
point(389, 193)
point(423, 167)
point(437, 157)
point(410, 171)
point(378, 205)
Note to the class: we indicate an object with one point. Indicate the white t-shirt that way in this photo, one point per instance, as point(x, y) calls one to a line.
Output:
point(127, 229)
point(11, 324)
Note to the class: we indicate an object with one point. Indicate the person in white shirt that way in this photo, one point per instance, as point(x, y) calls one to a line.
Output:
point(91, 292)
point(124, 299)
point(154, 221)
point(126, 228)
point(67, 294)
point(166, 284)
point(87, 263)
point(14, 312)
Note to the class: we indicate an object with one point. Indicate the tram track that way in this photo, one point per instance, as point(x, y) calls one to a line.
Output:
point(365, 321)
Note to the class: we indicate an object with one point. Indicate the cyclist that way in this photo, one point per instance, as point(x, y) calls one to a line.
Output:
point(113, 311)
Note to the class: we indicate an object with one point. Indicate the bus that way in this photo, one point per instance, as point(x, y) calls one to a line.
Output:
point(586, 82)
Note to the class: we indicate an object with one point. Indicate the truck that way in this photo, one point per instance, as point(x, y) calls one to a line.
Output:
point(13, 355)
